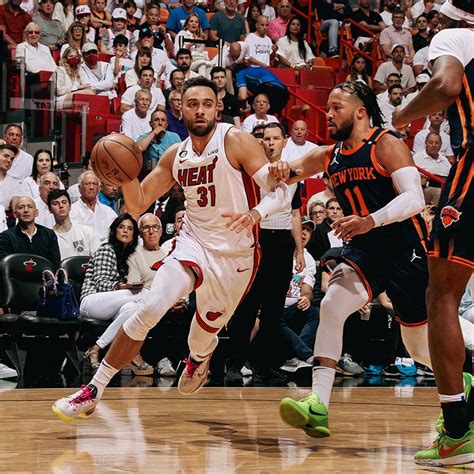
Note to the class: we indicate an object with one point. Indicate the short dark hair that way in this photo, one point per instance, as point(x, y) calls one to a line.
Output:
point(56, 194)
point(120, 39)
point(271, 125)
point(129, 4)
point(394, 74)
point(12, 148)
point(260, 127)
point(11, 125)
point(330, 201)
point(398, 11)
point(199, 81)
point(217, 69)
point(430, 15)
point(146, 68)
point(174, 71)
point(394, 86)
point(421, 16)
point(183, 52)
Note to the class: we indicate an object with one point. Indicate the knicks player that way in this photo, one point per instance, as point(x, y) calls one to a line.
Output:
point(379, 189)
point(212, 255)
point(451, 248)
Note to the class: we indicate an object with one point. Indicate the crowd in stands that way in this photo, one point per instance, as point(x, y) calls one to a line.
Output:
point(141, 52)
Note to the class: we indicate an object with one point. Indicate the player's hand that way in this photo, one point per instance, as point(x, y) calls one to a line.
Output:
point(281, 170)
point(347, 227)
point(180, 306)
point(364, 308)
point(303, 303)
point(397, 123)
point(299, 261)
point(239, 221)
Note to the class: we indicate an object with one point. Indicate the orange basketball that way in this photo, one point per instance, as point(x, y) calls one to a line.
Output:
point(116, 159)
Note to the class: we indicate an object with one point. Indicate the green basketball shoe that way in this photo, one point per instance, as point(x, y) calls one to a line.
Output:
point(467, 390)
point(447, 451)
point(308, 414)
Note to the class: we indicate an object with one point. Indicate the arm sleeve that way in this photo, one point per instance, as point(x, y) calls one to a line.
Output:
point(275, 200)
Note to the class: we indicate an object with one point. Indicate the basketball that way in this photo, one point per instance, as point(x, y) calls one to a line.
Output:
point(116, 159)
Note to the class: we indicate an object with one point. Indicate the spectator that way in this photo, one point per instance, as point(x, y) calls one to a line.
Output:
point(200, 58)
point(317, 212)
point(293, 50)
point(298, 143)
point(10, 187)
point(146, 82)
point(42, 164)
point(230, 103)
point(331, 15)
point(420, 61)
point(265, 8)
point(101, 19)
point(88, 210)
point(142, 59)
point(389, 7)
point(98, 75)
point(434, 162)
point(300, 318)
point(29, 237)
point(83, 16)
point(109, 195)
point(13, 21)
point(228, 24)
point(175, 118)
point(367, 18)
point(119, 21)
point(260, 49)
point(23, 162)
point(156, 142)
point(37, 56)
point(73, 190)
point(120, 62)
point(74, 239)
point(136, 121)
point(64, 13)
point(396, 65)
point(184, 61)
point(423, 7)
point(323, 196)
point(395, 34)
point(173, 229)
point(436, 121)
point(176, 83)
point(177, 16)
point(422, 38)
point(358, 70)
point(133, 22)
point(421, 80)
point(261, 105)
point(51, 30)
point(395, 96)
point(433, 22)
point(161, 39)
point(277, 27)
point(68, 81)
point(105, 294)
point(392, 78)
point(48, 182)
point(253, 12)
point(75, 37)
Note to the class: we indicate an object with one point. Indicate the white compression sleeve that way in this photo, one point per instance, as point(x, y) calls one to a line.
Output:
point(409, 202)
point(277, 199)
point(263, 178)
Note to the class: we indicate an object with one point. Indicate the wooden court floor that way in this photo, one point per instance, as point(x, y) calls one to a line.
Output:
point(219, 430)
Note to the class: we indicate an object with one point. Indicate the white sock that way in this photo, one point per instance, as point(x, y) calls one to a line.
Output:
point(103, 376)
point(460, 397)
point(323, 380)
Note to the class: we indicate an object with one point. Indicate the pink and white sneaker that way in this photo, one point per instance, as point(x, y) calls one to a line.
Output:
point(80, 404)
point(194, 375)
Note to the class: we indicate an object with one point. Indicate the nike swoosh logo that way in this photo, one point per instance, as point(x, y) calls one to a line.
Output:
point(444, 451)
point(315, 412)
point(240, 270)
point(182, 161)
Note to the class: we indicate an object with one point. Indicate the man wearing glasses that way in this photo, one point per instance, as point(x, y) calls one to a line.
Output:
point(397, 34)
point(261, 105)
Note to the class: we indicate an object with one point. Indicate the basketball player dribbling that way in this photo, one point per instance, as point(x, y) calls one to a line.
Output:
point(379, 189)
point(212, 253)
point(451, 256)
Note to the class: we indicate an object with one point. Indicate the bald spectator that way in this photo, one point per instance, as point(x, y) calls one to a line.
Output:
point(48, 182)
point(397, 34)
point(298, 143)
point(29, 237)
point(261, 105)
point(175, 117)
point(10, 187)
point(51, 30)
point(23, 161)
point(88, 210)
point(13, 21)
point(277, 27)
point(136, 121)
point(37, 56)
point(260, 47)
point(228, 24)
point(74, 239)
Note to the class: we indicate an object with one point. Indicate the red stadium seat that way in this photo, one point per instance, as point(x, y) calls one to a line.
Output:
point(313, 186)
point(286, 75)
point(315, 96)
point(321, 77)
point(98, 104)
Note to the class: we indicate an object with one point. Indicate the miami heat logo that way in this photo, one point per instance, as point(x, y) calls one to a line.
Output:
point(213, 315)
point(449, 215)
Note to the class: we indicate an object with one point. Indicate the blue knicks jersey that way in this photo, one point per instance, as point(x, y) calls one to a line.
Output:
point(362, 186)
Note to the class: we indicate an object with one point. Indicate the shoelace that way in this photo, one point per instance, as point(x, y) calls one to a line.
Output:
point(84, 397)
point(190, 366)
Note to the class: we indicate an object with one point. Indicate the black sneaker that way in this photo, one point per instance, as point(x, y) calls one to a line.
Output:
point(391, 371)
point(333, 54)
point(269, 378)
point(233, 377)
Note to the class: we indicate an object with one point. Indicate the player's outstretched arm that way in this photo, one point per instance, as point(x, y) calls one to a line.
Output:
point(139, 196)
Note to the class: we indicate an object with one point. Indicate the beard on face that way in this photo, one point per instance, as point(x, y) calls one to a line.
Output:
point(344, 131)
point(184, 67)
point(198, 131)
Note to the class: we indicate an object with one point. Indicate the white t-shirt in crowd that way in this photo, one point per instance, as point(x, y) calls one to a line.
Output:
point(133, 126)
point(10, 187)
point(99, 219)
point(440, 167)
point(259, 48)
point(157, 97)
point(44, 218)
point(22, 165)
point(36, 58)
point(420, 138)
point(307, 275)
point(289, 50)
point(79, 240)
point(252, 120)
point(292, 151)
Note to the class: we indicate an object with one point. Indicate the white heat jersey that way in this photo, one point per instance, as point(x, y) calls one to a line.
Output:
point(211, 186)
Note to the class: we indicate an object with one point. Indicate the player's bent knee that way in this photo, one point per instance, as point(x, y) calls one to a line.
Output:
point(138, 326)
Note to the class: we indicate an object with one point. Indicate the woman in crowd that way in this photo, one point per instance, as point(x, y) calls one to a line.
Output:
point(76, 36)
point(68, 82)
point(106, 295)
point(142, 59)
point(64, 13)
point(293, 50)
point(266, 9)
point(358, 70)
point(192, 30)
point(253, 12)
point(42, 164)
